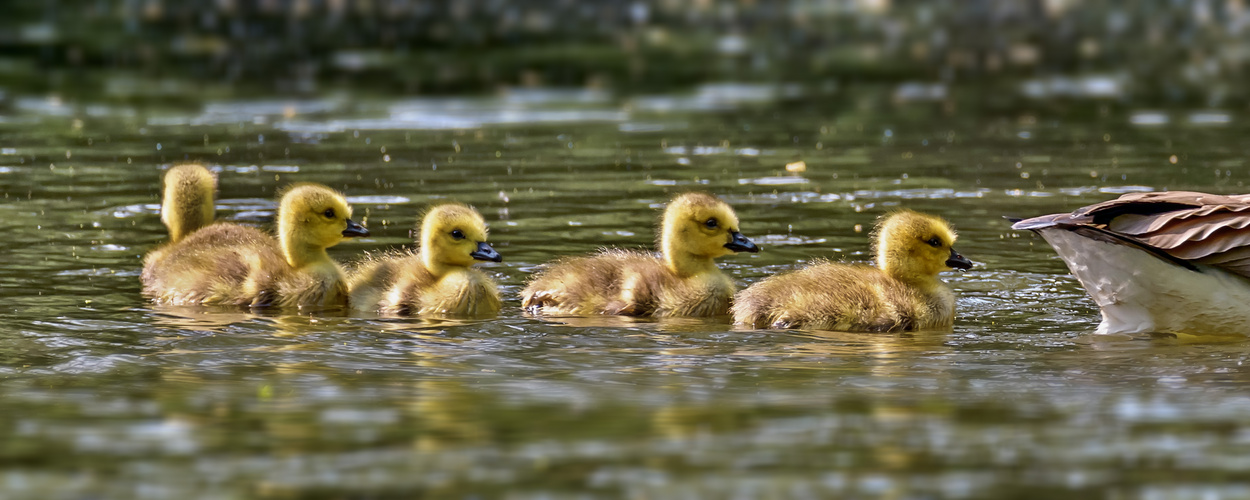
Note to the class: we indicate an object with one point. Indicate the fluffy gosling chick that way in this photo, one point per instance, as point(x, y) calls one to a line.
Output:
point(436, 279)
point(696, 228)
point(229, 264)
point(902, 294)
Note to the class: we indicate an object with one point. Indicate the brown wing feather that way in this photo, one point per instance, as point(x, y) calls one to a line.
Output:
point(1177, 226)
point(1236, 260)
point(1182, 225)
point(1154, 203)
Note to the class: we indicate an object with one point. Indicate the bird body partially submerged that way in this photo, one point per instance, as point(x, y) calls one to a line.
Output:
point(229, 264)
point(1162, 262)
point(437, 278)
point(682, 280)
point(844, 297)
point(902, 294)
point(626, 282)
point(223, 264)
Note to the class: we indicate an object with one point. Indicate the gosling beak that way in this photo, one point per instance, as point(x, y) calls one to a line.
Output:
point(740, 243)
point(958, 261)
point(354, 230)
point(486, 252)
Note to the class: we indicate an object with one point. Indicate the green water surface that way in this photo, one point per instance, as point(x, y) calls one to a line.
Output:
point(103, 395)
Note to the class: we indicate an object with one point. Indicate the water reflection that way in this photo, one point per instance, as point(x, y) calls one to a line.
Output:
point(200, 319)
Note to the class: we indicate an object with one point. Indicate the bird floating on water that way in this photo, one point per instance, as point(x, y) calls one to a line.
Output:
point(902, 293)
point(230, 264)
point(436, 279)
point(682, 281)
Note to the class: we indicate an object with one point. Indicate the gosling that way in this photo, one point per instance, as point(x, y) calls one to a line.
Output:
point(683, 280)
point(436, 280)
point(902, 294)
point(229, 264)
point(1165, 262)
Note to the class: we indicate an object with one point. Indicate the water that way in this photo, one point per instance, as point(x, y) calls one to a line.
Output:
point(105, 395)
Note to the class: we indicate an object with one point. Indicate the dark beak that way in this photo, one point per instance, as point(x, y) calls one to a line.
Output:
point(486, 252)
point(740, 243)
point(958, 261)
point(355, 230)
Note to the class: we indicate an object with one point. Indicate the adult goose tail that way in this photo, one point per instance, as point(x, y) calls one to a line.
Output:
point(1166, 262)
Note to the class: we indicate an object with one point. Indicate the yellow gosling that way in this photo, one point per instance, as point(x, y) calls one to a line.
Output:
point(683, 281)
point(229, 264)
point(902, 294)
point(435, 280)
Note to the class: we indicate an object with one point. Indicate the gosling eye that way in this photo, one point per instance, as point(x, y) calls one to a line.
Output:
point(934, 242)
point(329, 213)
point(457, 234)
point(711, 223)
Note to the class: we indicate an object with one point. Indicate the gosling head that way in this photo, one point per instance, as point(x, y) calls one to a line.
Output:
point(912, 246)
point(454, 235)
point(187, 199)
point(312, 218)
point(699, 227)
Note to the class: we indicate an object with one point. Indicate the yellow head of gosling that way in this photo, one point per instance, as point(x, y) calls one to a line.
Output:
point(187, 199)
point(913, 247)
point(312, 218)
point(696, 228)
point(454, 235)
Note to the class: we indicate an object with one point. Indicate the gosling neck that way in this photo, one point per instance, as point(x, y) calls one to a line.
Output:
point(436, 267)
point(683, 263)
point(298, 255)
point(915, 277)
point(298, 251)
point(185, 212)
point(177, 230)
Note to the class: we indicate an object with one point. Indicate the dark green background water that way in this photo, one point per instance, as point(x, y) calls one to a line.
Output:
point(104, 395)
